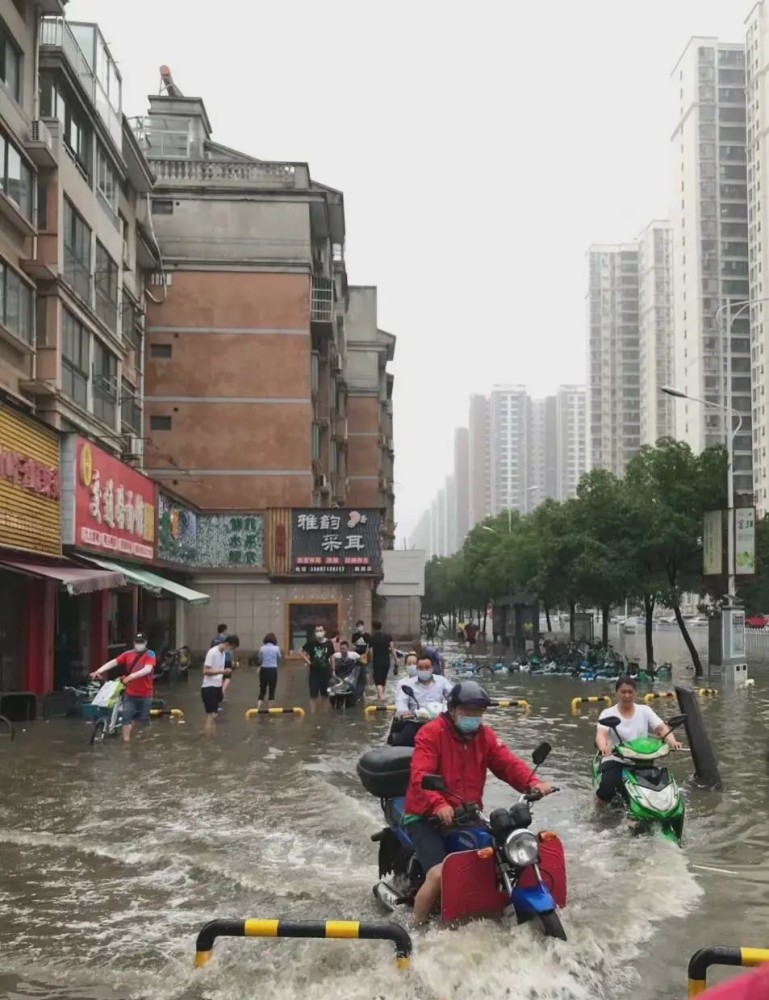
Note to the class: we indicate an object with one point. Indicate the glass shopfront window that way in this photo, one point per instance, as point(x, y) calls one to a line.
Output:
point(303, 617)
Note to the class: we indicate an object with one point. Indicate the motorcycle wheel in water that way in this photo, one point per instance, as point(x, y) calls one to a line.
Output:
point(650, 794)
point(495, 866)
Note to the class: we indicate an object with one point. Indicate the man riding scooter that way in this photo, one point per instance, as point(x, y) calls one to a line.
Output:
point(459, 748)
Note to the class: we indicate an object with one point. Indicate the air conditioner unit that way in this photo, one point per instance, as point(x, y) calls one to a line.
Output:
point(40, 133)
point(322, 484)
point(132, 446)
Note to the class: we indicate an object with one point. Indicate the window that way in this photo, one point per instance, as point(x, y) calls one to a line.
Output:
point(161, 351)
point(16, 304)
point(130, 412)
point(16, 180)
point(106, 288)
point(104, 383)
point(55, 102)
point(106, 182)
point(158, 423)
point(10, 63)
point(162, 206)
point(74, 359)
point(77, 252)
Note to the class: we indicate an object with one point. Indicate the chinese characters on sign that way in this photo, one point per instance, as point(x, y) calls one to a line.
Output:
point(28, 474)
point(30, 485)
point(337, 542)
point(744, 541)
point(212, 541)
point(114, 505)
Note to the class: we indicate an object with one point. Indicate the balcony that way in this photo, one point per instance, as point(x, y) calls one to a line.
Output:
point(40, 145)
point(83, 53)
point(224, 172)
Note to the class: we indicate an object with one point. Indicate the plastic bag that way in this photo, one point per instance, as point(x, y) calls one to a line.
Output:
point(106, 695)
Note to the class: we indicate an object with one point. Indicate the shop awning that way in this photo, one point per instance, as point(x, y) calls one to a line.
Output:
point(151, 581)
point(76, 579)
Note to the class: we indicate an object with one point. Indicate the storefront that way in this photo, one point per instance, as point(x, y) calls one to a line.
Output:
point(109, 518)
point(32, 568)
point(278, 571)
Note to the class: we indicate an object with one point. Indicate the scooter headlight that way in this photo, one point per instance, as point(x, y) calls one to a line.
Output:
point(522, 848)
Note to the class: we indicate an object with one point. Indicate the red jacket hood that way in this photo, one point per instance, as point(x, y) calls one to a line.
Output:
point(462, 763)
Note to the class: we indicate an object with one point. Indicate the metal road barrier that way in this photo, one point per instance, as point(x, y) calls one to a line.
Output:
point(653, 695)
point(7, 728)
point(602, 699)
point(707, 691)
point(373, 709)
point(173, 713)
point(506, 703)
point(349, 930)
point(700, 962)
point(251, 712)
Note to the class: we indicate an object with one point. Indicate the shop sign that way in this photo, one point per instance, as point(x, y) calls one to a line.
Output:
point(113, 505)
point(30, 510)
point(712, 543)
point(744, 541)
point(208, 541)
point(336, 542)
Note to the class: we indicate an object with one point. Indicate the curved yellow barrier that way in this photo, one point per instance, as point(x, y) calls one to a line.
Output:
point(373, 709)
point(173, 713)
point(592, 699)
point(251, 712)
point(700, 962)
point(506, 703)
point(707, 691)
point(653, 695)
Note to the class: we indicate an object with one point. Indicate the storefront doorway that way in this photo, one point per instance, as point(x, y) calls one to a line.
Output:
point(72, 653)
point(11, 637)
point(303, 616)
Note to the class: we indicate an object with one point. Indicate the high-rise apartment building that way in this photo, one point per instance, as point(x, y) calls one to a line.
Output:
point(655, 324)
point(541, 452)
point(509, 440)
point(571, 440)
point(613, 400)
point(479, 459)
point(710, 249)
point(757, 143)
point(462, 483)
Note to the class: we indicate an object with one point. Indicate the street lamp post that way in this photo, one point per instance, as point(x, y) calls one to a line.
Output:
point(678, 394)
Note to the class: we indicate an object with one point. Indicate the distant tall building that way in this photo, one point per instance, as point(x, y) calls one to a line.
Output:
point(571, 440)
point(462, 483)
point(542, 452)
point(479, 460)
point(509, 422)
point(758, 233)
point(710, 245)
point(613, 406)
point(420, 536)
point(655, 326)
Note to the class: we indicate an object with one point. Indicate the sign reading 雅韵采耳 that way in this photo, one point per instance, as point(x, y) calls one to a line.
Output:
point(336, 542)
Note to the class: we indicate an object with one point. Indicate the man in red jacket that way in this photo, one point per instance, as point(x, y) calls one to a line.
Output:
point(459, 748)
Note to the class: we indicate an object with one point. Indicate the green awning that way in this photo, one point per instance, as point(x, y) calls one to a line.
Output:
point(151, 581)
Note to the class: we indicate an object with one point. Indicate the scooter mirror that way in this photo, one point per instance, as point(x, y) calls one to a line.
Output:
point(676, 720)
point(408, 690)
point(611, 721)
point(541, 754)
point(433, 783)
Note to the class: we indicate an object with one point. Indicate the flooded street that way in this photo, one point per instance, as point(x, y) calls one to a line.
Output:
point(112, 857)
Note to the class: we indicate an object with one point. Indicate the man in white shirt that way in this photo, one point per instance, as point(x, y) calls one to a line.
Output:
point(429, 691)
point(214, 672)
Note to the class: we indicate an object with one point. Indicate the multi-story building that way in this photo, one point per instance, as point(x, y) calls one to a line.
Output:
point(479, 459)
point(542, 453)
point(655, 327)
point(710, 249)
point(462, 483)
point(613, 391)
point(509, 439)
point(571, 440)
point(757, 144)
point(420, 537)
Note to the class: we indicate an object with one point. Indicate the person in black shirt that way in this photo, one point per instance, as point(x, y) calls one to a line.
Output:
point(317, 654)
point(361, 640)
point(382, 653)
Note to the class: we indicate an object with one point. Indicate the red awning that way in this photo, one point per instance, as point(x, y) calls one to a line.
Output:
point(76, 579)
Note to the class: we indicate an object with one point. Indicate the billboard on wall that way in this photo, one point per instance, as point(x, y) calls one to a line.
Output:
point(208, 541)
point(108, 507)
point(30, 512)
point(336, 542)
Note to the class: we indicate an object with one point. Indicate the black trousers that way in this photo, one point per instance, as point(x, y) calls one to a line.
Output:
point(268, 679)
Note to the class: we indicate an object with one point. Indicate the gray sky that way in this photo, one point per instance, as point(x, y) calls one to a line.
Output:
point(481, 148)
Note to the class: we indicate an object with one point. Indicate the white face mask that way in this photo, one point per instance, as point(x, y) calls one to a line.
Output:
point(140, 647)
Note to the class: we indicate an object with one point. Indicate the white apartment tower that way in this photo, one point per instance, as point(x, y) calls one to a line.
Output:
point(655, 330)
point(509, 436)
point(571, 439)
point(479, 460)
point(710, 249)
point(613, 390)
point(757, 141)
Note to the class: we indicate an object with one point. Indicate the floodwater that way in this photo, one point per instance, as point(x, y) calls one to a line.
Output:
point(112, 857)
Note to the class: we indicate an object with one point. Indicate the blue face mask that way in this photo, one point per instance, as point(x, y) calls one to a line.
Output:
point(469, 724)
point(424, 675)
point(411, 669)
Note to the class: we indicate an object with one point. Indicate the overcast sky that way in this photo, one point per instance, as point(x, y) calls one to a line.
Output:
point(481, 148)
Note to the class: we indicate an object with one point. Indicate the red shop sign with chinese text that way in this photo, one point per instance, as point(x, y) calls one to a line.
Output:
point(114, 505)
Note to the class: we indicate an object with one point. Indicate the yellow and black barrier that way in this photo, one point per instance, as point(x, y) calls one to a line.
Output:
point(173, 713)
point(348, 930)
point(654, 695)
point(701, 961)
point(592, 699)
point(506, 703)
point(251, 712)
point(373, 709)
point(707, 692)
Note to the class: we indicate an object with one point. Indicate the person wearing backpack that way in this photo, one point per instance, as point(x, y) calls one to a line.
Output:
point(138, 665)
